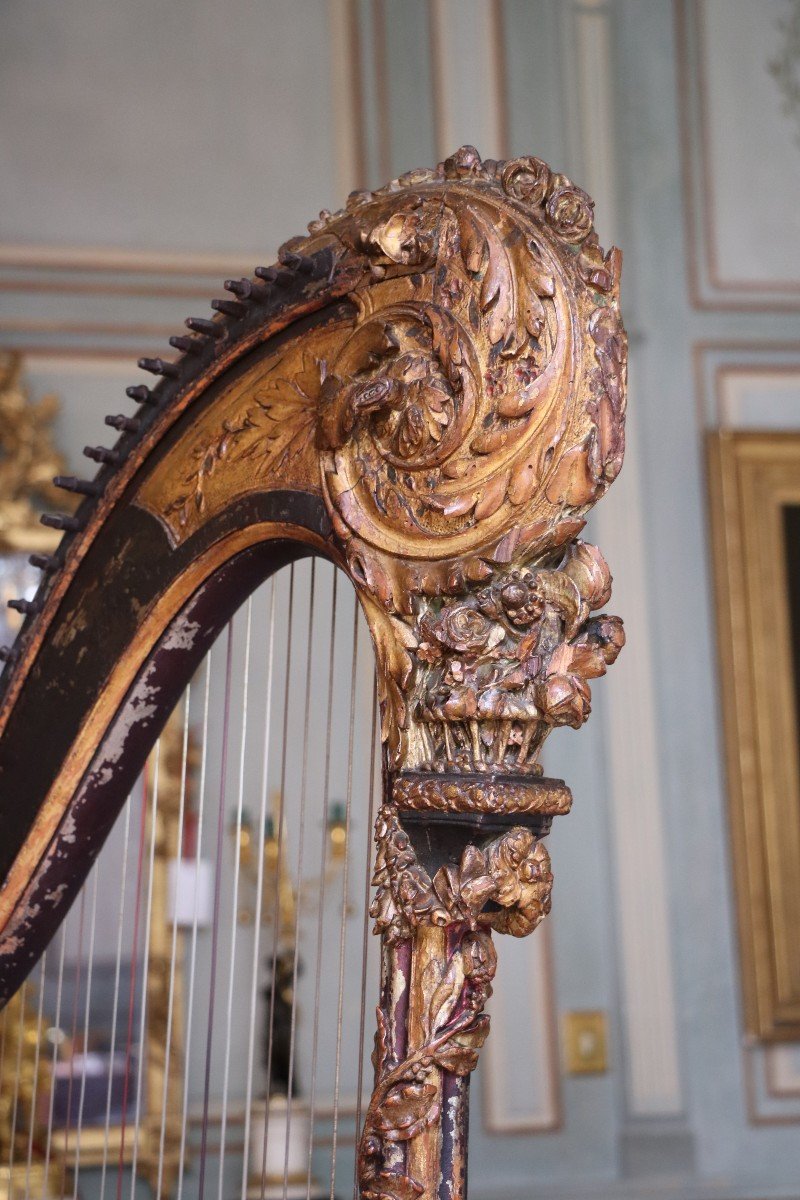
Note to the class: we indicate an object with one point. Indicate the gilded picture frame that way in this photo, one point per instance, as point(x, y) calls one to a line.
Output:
point(755, 526)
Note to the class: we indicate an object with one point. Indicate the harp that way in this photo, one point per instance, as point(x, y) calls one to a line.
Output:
point(416, 405)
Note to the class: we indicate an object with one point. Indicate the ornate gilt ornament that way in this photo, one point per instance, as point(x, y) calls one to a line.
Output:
point(459, 427)
point(512, 871)
point(429, 389)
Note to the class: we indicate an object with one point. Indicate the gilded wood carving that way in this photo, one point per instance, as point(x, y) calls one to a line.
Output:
point(429, 388)
point(459, 429)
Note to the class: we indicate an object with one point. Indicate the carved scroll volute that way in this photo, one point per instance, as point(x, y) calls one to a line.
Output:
point(467, 422)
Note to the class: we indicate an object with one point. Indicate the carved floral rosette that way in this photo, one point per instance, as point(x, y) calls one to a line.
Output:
point(466, 425)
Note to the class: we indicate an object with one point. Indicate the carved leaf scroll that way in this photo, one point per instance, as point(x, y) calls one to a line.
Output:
point(406, 1098)
point(470, 420)
point(459, 409)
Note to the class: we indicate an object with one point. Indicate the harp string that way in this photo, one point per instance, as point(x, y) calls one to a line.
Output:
point(195, 916)
point(17, 1072)
point(343, 923)
point(85, 1038)
point(262, 815)
point(365, 923)
point(78, 964)
point(115, 1008)
point(235, 904)
point(146, 958)
point(54, 1058)
point(132, 982)
point(35, 1080)
point(174, 939)
point(322, 885)
point(3, 1040)
point(300, 851)
point(216, 916)
point(276, 890)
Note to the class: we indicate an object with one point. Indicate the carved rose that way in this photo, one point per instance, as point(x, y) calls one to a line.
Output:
point(569, 210)
point(464, 629)
point(526, 179)
point(465, 161)
point(610, 633)
point(565, 700)
point(480, 958)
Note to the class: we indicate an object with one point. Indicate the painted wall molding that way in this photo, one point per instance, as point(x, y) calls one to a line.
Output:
point(649, 1025)
point(715, 281)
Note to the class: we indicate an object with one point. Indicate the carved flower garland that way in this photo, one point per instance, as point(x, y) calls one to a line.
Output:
point(406, 1100)
point(504, 665)
point(513, 870)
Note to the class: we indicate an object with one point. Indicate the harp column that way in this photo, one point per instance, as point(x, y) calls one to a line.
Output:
point(465, 427)
point(458, 858)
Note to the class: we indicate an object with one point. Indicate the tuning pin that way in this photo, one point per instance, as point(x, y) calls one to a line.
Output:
point(101, 454)
point(186, 345)
point(8, 654)
point(159, 366)
point(243, 288)
point(268, 274)
point(297, 262)
point(259, 293)
point(27, 607)
point(85, 487)
point(61, 521)
point(208, 328)
point(231, 308)
point(141, 394)
point(123, 424)
point(45, 562)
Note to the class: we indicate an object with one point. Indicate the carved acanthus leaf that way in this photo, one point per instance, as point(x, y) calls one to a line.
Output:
point(277, 424)
point(467, 424)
